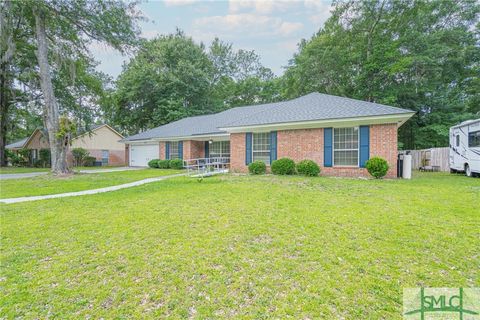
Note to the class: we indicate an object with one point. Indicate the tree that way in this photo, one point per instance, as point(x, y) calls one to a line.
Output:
point(62, 31)
point(172, 77)
point(239, 78)
point(419, 55)
point(169, 78)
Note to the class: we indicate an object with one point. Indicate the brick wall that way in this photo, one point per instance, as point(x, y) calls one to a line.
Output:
point(237, 152)
point(301, 144)
point(383, 143)
point(115, 157)
point(161, 150)
point(193, 149)
point(308, 144)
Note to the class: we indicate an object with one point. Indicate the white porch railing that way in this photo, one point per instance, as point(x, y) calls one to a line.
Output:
point(205, 167)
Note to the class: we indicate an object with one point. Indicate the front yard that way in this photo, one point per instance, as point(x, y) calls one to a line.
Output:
point(239, 247)
point(47, 184)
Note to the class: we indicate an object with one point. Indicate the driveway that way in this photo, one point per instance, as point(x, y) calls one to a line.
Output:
point(7, 176)
point(117, 169)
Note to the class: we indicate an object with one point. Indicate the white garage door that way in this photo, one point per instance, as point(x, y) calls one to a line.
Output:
point(141, 154)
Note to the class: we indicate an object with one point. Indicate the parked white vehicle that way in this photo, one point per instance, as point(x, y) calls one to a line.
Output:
point(465, 148)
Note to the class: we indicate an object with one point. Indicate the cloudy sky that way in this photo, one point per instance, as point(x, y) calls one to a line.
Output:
point(271, 28)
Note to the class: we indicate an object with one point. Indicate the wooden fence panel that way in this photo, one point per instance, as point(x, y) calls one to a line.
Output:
point(430, 157)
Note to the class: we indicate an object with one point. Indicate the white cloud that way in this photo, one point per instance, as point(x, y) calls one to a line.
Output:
point(320, 11)
point(245, 23)
point(171, 3)
point(261, 6)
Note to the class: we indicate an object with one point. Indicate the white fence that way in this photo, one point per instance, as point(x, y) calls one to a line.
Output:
point(430, 157)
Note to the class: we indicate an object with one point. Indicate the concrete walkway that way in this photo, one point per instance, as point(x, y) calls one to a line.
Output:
point(93, 191)
point(7, 176)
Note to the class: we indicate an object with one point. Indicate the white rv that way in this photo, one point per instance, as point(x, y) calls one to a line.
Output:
point(465, 148)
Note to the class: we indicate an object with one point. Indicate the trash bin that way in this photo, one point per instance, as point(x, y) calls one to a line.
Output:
point(407, 166)
point(399, 165)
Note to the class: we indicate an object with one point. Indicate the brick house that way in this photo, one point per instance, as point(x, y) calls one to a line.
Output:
point(102, 142)
point(340, 134)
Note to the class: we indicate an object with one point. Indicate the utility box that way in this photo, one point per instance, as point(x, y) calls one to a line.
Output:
point(407, 166)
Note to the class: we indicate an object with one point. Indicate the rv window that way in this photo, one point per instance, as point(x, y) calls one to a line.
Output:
point(457, 143)
point(474, 139)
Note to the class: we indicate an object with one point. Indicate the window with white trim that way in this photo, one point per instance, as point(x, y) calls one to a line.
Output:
point(261, 147)
point(173, 152)
point(219, 149)
point(345, 146)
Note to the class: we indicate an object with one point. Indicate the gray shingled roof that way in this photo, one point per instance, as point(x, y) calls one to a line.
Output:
point(314, 106)
point(17, 144)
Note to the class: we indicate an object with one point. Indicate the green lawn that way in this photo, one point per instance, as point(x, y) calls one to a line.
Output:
point(6, 170)
point(241, 247)
point(48, 184)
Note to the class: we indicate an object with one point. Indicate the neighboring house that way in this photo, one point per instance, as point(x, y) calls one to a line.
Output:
point(102, 142)
point(340, 134)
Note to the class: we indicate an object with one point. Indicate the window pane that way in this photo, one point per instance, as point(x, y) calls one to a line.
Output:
point(174, 150)
point(473, 139)
point(261, 147)
point(219, 149)
point(346, 158)
point(345, 146)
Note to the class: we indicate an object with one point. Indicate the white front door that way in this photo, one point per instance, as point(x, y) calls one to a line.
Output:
point(142, 153)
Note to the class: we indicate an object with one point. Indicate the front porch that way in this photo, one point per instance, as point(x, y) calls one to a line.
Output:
point(197, 148)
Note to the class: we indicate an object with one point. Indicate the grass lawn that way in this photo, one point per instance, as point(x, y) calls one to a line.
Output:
point(48, 184)
point(6, 170)
point(241, 247)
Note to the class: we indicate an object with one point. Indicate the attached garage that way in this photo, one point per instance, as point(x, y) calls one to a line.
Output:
point(140, 154)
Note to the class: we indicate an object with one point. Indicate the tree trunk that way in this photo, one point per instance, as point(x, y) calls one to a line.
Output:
point(4, 103)
point(58, 148)
point(7, 48)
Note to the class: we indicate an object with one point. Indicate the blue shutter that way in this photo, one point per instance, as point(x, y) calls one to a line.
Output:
point(167, 150)
point(327, 147)
point(180, 150)
point(273, 146)
point(364, 145)
point(207, 149)
point(248, 148)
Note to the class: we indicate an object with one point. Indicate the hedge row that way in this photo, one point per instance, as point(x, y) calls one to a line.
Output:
point(286, 166)
point(376, 166)
point(166, 164)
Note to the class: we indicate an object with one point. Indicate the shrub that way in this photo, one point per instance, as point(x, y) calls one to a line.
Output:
point(89, 161)
point(24, 157)
point(377, 167)
point(308, 168)
point(176, 164)
point(283, 166)
point(79, 155)
point(13, 158)
point(153, 163)
point(163, 164)
point(257, 167)
point(45, 157)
